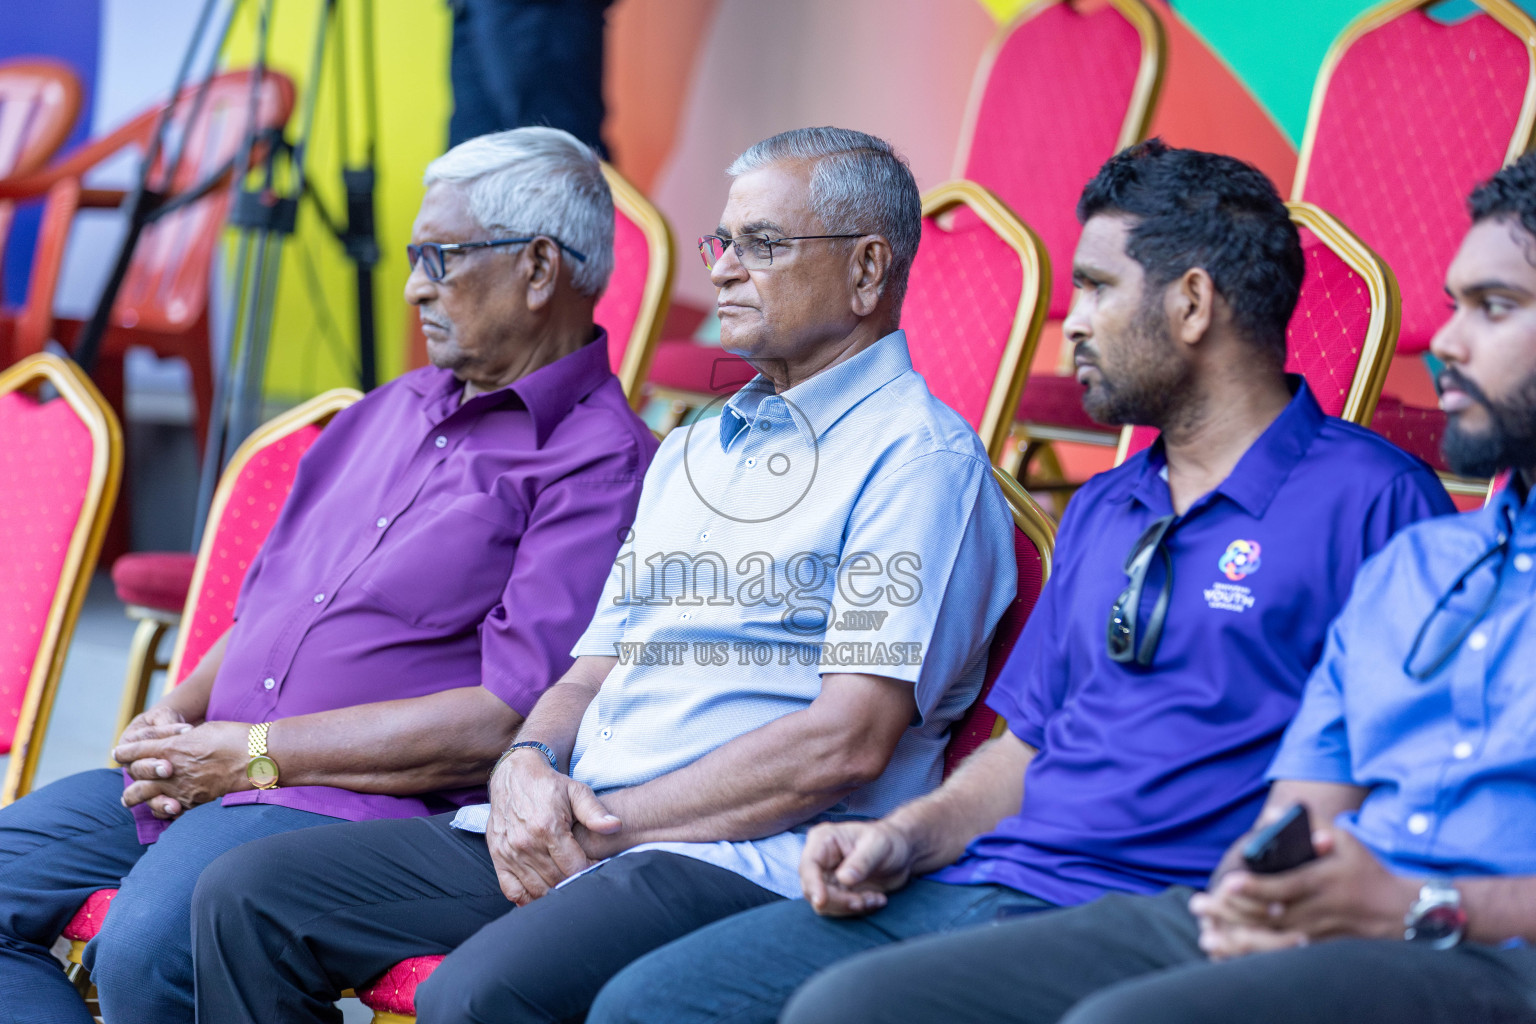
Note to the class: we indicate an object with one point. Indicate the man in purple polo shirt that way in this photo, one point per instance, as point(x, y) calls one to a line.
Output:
point(443, 547)
point(1191, 596)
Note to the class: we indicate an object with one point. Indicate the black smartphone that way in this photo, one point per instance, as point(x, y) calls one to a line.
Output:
point(1283, 844)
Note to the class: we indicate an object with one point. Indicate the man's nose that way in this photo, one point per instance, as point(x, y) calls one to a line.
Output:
point(727, 268)
point(1077, 326)
point(1449, 345)
point(419, 288)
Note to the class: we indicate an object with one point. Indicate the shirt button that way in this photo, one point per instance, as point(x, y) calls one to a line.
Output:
point(751, 463)
point(1418, 824)
point(763, 424)
point(319, 598)
point(704, 535)
point(1477, 641)
point(382, 522)
point(1523, 563)
point(441, 442)
point(1462, 750)
point(606, 734)
point(685, 616)
point(268, 683)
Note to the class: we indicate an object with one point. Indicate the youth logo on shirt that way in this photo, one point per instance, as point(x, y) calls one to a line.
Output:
point(1241, 560)
point(1237, 563)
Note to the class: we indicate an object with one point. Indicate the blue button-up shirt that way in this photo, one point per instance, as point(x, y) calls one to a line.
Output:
point(851, 524)
point(1144, 776)
point(1449, 761)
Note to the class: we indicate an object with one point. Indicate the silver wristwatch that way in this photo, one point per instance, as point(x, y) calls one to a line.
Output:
point(1437, 917)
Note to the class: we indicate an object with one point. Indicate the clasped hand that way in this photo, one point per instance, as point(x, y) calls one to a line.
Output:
point(848, 867)
point(1344, 892)
point(539, 822)
point(175, 765)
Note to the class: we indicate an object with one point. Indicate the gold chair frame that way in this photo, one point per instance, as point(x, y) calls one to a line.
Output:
point(1036, 524)
point(1506, 14)
point(147, 637)
point(106, 472)
point(1023, 333)
point(1144, 94)
point(1380, 341)
point(1027, 435)
point(657, 294)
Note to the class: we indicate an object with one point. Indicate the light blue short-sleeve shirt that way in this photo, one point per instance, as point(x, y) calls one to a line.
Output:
point(850, 524)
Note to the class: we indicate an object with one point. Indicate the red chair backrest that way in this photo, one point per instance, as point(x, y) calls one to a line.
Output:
point(1032, 553)
point(974, 305)
point(250, 496)
point(1408, 115)
point(167, 284)
point(1058, 93)
point(59, 465)
point(39, 101)
point(1341, 336)
point(635, 303)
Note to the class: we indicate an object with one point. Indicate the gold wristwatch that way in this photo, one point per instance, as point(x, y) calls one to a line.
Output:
point(261, 769)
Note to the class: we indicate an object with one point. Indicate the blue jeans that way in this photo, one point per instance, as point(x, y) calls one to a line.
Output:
point(745, 967)
point(62, 843)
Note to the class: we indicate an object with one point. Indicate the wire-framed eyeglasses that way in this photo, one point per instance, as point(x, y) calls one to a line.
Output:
point(434, 255)
point(1449, 646)
point(1125, 614)
point(754, 251)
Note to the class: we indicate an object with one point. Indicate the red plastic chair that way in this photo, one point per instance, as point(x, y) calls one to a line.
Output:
point(60, 464)
point(163, 303)
point(1408, 115)
point(392, 997)
point(39, 101)
point(635, 303)
point(245, 506)
point(1342, 334)
point(976, 299)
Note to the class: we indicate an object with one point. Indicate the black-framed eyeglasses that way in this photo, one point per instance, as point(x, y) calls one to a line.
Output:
point(754, 251)
point(434, 255)
point(1125, 613)
point(1499, 549)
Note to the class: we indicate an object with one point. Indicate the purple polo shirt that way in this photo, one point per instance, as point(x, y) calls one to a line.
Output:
point(428, 545)
point(1145, 776)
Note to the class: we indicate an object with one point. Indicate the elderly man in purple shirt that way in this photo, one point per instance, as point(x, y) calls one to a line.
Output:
point(444, 545)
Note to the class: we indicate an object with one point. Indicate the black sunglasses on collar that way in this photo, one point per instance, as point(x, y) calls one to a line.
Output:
point(1125, 613)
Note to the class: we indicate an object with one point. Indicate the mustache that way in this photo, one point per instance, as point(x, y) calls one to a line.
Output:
point(1452, 378)
point(1086, 352)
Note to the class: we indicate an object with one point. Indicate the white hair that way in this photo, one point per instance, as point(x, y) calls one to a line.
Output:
point(859, 185)
point(537, 181)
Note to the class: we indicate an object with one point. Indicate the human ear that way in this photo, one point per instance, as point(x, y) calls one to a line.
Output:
point(869, 273)
point(541, 263)
point(1193, 301)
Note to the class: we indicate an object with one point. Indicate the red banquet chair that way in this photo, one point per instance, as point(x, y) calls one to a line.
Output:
point(392, 997)
point(163, 303)
point(245, 506)
point(1342, 334)
point(39, 101)
point(60, 464)
point(976, 300)
point(1408, 115)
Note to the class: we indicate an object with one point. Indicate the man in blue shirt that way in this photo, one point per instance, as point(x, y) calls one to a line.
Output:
point(1191, 597)
point(715, 709)
point(1414, 749)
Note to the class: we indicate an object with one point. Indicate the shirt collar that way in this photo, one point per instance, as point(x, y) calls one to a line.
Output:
point(548, 393)
point(1515, 509)
point(1264, 466)
point(818, 403)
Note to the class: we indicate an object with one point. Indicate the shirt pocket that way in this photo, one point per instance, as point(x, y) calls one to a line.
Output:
point(445, 564)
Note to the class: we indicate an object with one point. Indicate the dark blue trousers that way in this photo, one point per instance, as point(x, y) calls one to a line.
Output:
point(62, 843)
point(527, 62)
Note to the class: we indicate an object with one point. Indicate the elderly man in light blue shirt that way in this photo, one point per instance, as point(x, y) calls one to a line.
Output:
point(800, 612)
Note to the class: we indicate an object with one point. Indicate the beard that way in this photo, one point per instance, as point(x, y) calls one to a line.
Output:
point(1509, 441)
point(1148, 382)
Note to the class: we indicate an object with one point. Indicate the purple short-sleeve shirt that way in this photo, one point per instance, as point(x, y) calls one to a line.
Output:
point(428, 545)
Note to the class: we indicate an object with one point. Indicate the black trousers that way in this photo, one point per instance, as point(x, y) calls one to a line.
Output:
point(280, 927)
point(527, 62)
point(1134, 960)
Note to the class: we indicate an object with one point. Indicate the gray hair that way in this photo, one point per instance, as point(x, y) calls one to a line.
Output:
point(537, 181)
point(859, 185)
